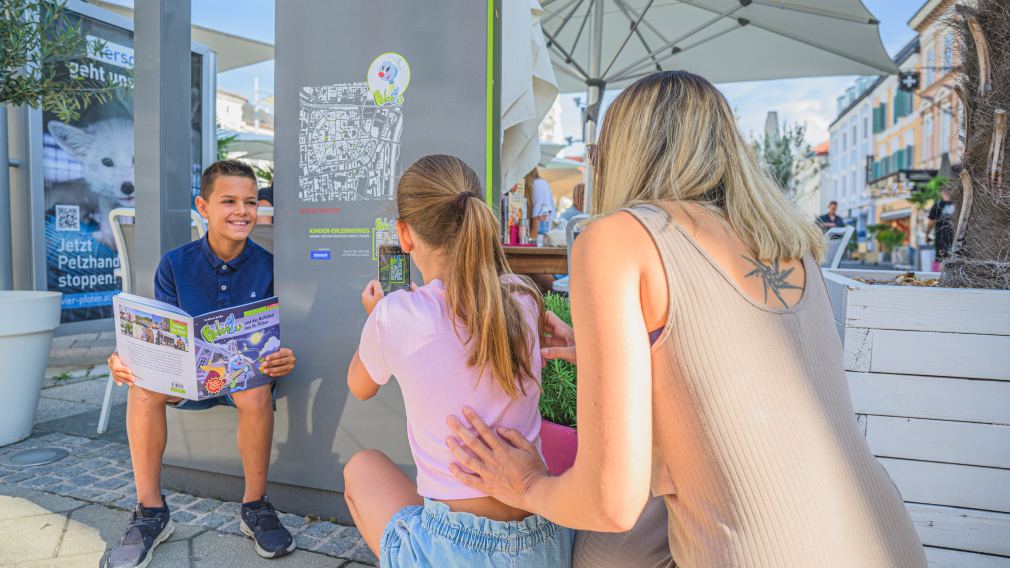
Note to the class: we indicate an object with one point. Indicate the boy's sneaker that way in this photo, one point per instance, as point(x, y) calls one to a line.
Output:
point(148, 528)
point(260, 522)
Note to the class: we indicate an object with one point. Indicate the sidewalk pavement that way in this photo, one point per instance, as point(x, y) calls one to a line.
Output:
point(69, 513)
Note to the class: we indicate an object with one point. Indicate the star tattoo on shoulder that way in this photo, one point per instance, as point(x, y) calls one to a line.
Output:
point(774, 279)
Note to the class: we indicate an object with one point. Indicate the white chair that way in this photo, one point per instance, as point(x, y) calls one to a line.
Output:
point(836, 240)
point(125, 236)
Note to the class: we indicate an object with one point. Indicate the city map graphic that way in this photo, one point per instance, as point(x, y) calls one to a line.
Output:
point(347, 146)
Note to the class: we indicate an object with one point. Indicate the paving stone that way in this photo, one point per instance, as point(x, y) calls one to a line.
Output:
point(183, 517)
point(233, 509)
point(318, 529)
point(215, 550)
point(337, 545)
point(230, 527)
point(113, 483)
point(86, 493)
point(52, 409)
point(109, 498)
point(361, 553)
point(212, 520)
point(49, 502)
point(128, 502)
point(304, 542)
point(357, 565)
point(18, 477)
point(293, 521)
point(108, 471)
point(84, 480)
point(180, 499)
point(203, 505)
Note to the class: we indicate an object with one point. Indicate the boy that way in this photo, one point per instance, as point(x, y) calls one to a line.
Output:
point(223, 269)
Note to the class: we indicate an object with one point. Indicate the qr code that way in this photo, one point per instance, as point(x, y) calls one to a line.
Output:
point(68, 218)
point(396, 270)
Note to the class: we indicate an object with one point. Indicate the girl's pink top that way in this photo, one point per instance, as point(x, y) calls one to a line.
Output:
point(410, 335)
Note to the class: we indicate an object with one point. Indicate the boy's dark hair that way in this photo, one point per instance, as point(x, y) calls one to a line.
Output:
point(223, 168)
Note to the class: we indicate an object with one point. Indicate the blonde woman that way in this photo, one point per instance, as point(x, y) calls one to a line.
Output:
point(710, 372)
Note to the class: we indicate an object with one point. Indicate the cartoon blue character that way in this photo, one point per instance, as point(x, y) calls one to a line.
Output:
point(240, 367)
point(388, 72)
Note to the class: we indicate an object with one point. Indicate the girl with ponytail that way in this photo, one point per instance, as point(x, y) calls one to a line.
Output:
point(469, 337)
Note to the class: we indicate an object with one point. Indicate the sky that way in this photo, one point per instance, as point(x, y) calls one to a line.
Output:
point(797, 101)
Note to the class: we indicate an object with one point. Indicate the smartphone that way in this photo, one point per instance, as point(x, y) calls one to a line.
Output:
point(394, 269)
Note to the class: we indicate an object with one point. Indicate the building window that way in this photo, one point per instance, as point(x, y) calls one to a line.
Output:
point(866, 127)
point(845, 142)
point(854, 135)
point(927, 137)
point(944, 130)
point(930, 63)
point(845, 186)
point(948, 50)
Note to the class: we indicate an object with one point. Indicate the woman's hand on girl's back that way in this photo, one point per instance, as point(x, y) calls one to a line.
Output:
point(371, 295)
point(505, 465)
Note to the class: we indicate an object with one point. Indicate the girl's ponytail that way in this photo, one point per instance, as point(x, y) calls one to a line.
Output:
point(439, 197)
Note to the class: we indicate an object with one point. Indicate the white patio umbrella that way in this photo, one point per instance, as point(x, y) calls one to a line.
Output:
point(597, 44)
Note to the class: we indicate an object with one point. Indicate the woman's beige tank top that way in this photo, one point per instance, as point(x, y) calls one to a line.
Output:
point(756, 449)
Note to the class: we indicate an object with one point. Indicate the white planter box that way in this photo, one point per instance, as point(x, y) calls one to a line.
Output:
point(929, 376)
point(27, 321)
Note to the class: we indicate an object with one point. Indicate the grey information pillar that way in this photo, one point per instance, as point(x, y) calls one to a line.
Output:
point(162, 142)
point(344, 135)
point(6, 253)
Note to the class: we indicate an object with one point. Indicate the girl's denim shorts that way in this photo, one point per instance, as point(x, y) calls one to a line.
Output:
point(432, 535)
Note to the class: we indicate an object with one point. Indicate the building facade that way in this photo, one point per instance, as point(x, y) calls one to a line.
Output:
point(897, 153)
point(851, 142)
point(812, 181)
point(938, 105)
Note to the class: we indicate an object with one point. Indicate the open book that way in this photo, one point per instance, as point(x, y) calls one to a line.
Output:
point(196, 357)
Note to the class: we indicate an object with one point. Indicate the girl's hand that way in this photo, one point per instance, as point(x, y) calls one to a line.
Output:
point(371, 295)
point(559, 342)
point(121, 374)
point(559, 333)
point(505, 467)
point(278, 364)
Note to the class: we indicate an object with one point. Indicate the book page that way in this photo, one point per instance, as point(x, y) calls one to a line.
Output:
point(232, 344)
point(157, 345)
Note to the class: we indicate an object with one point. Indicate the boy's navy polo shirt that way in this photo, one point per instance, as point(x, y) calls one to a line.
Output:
point(193, 278)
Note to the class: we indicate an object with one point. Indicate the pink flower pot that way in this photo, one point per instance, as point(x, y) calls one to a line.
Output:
point(559, 444)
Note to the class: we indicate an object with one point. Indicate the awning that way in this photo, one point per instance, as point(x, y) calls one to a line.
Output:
point(232, 51)
point(896, 214)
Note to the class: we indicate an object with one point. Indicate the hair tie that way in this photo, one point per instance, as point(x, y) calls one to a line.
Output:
point(461, 197)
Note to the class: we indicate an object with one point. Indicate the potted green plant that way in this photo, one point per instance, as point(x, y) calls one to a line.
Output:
point(558, 437)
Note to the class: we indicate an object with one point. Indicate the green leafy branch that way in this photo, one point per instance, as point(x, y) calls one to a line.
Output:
point(39, 42)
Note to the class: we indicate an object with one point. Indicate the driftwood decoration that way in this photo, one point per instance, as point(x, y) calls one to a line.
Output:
point(997, 148)
point(966, 203)
point(980, 255)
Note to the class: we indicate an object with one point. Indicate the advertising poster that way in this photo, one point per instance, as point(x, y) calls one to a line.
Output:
point(88, 172)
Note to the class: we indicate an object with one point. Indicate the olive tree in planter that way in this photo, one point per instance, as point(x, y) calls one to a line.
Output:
point(36, 40)
point(929, 366)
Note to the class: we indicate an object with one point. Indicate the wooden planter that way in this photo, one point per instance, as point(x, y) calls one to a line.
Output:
point(929, 376)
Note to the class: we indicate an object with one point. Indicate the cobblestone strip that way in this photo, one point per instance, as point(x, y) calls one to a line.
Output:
point(99, 471)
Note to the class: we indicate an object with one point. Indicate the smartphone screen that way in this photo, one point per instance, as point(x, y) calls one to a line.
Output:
point(394, 269)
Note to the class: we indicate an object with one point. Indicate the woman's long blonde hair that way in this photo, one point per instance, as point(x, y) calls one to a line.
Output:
point(440, 198)
point(671, 136)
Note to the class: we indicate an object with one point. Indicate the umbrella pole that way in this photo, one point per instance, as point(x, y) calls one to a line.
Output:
point(594, 97)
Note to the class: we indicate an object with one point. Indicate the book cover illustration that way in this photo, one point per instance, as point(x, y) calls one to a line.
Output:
point(232, 344)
